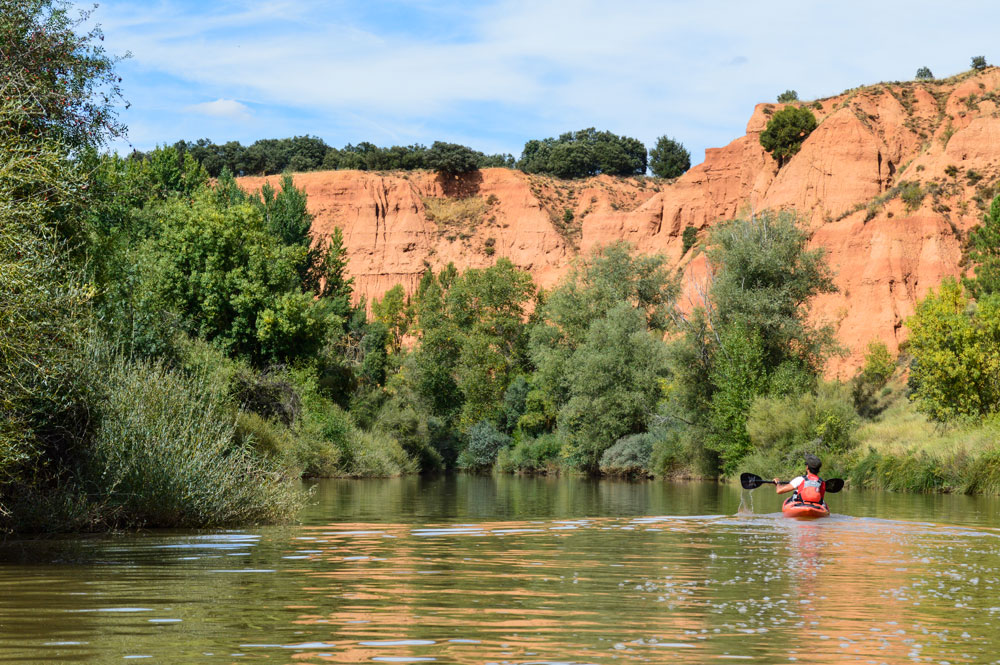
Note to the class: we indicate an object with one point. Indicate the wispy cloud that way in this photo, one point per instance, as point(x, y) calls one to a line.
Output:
point(495, 74)
point(222, 108)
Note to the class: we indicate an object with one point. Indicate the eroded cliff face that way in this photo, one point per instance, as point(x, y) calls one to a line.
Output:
point(886, 252)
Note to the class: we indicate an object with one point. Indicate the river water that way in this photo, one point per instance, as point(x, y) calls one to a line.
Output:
point(471, 569)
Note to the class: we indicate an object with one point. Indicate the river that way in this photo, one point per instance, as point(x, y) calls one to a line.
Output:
point(468, 569)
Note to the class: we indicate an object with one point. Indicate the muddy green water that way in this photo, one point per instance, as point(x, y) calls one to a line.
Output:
point(514, 570)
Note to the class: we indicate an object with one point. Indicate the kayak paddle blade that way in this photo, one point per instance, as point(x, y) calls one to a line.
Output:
point(834, 485)
point(750, 481)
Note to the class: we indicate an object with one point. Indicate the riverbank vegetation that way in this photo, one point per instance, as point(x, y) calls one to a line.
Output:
point(176, 351)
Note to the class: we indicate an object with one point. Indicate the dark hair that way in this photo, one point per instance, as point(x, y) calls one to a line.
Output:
point(813, 463)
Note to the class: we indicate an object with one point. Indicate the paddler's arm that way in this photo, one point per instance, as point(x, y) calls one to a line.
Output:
point(782, 488)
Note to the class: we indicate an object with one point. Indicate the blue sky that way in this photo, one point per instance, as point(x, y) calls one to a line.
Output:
point(495, 74)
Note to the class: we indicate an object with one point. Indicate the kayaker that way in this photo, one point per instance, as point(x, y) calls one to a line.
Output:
point(809, 488)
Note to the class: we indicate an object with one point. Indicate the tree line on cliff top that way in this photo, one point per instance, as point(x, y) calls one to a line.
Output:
point(580, 154)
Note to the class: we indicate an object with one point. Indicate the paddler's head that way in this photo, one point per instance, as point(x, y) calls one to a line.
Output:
point(813, 463)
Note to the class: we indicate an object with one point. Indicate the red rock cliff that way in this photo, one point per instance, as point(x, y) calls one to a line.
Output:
point(887, 250)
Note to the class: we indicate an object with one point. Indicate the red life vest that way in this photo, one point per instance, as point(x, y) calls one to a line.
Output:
point(813, 489)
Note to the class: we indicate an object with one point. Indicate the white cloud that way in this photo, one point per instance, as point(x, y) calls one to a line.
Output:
point(222, 108)
point(527, 68)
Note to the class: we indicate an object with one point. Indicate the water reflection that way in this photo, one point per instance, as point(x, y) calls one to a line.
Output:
point(475, 569)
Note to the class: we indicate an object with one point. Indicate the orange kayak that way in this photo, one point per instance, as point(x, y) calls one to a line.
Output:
point(804, 509)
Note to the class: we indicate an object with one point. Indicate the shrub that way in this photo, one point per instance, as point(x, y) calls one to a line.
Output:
point(879, 365)
point(875, 373)
point(689, 238)
point(785, 132)
point(269, 438)
point(924, 74)
point(323, 433)
point(375, 454)
point(628, 456)
point(531, 455)
point(912, 195)
point(401, 420)
point(787, 427)
point(668, 158)
point(788, 96)
point(979, 62)
point(484, 442)
point(675, 449)
point(268, 394)
point(166, 454)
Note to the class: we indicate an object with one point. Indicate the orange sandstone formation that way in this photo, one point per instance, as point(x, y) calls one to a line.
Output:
point(889, 184)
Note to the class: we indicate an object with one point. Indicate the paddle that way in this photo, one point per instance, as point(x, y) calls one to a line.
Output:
point(752, 482)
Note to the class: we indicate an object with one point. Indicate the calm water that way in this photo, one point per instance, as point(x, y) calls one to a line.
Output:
point(512, 570)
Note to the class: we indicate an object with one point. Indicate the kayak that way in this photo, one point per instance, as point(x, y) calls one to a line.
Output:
point(804, 509)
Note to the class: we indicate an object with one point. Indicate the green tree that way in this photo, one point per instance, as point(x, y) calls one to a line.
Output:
point(785, 132)
point(956, 350)
point(230, 280)
point(739, 375)
point(594, 286)
point(613, 381)
point(668, 158)
point(42, 299)
point(924, 74)
point(752, 338)
point(488, 308)
point(332, 282)
point(61, 76)
point(788, 96)
point(375, 364)
point(984, 254)
point(596, 350)
point(168, 173)
point(979, 62)
point(514, 403)
point(584, 153)
point(435, 357)
point(451, 159)
point(766, 277)
point(393, 310)
point(472, 333)
point(284, 212)
point(58, 96)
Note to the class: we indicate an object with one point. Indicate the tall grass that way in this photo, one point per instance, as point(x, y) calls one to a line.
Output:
point(165, 454)
point(903, 450)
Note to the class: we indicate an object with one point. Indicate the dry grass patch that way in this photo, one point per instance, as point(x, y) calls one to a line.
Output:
point(447, 213)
